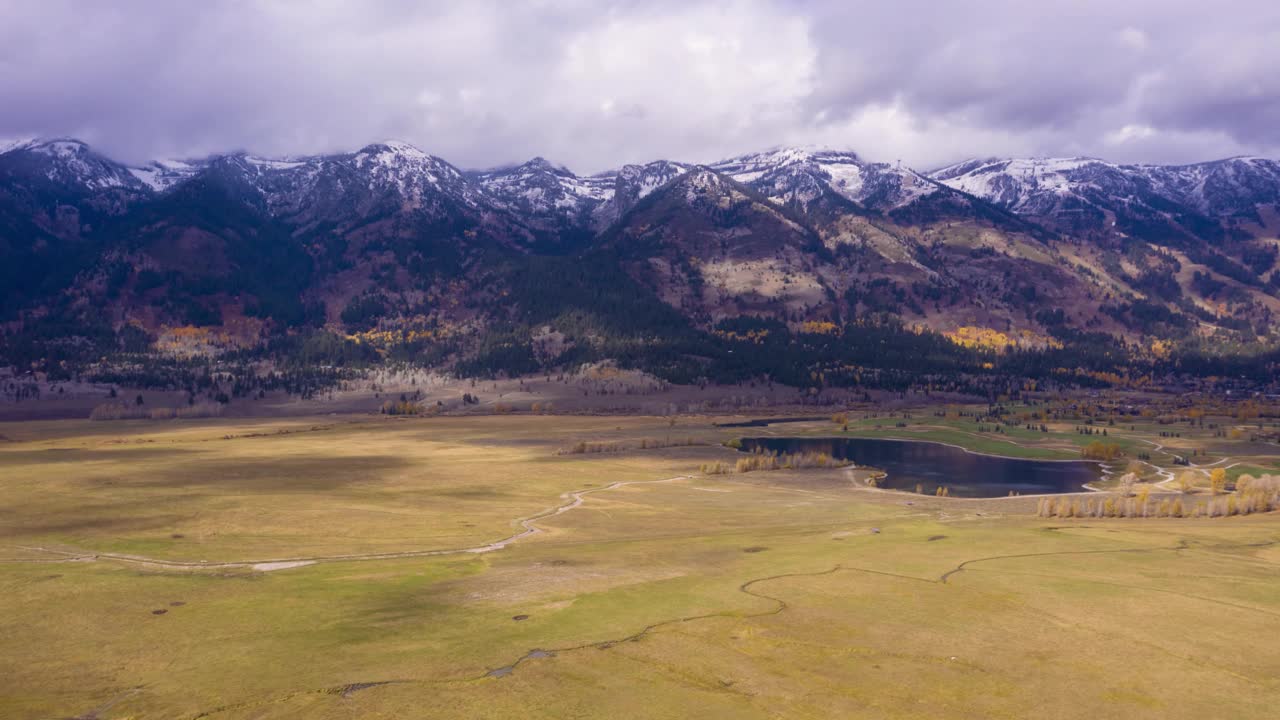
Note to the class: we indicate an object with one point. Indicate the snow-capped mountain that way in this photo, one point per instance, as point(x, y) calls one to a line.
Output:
point(801, 175)
point(793, 235)
point(1088, 191)
point(66, 164)
point(1042, 186)
point(286, 184)
point(708, 245)
point(379, 178)
point(72, 163)
point(1234, 187)
point(550, 198)
point(538, 186)
point(633, 183)
point(7, 144)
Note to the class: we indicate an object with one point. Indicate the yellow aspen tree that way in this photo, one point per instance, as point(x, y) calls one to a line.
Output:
point(1143, 494)
point(1218, 481)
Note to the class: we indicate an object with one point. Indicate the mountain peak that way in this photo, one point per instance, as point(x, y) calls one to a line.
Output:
point(11, 144)
point(700, 177)
point(402, 147)
point(64, 147)
point(805, 174)
point(788, 155)
point(392, 148)
point(540, 163)
point(70, 163)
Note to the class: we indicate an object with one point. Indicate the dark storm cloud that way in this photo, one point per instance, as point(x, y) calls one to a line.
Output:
point(594, 84)
point(1135, 79)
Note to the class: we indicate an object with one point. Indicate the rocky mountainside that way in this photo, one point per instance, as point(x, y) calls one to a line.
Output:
point(446, 266)
point(712, 248)
point(1087, 194)
point(802, 175)
point(554, 200)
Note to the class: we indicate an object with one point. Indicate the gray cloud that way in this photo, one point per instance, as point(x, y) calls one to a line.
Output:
point(596, 84)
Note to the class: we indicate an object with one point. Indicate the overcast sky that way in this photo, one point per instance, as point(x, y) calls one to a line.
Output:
point(593, 84)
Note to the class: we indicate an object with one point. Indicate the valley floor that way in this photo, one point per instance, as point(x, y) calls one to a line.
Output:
point(364, 567)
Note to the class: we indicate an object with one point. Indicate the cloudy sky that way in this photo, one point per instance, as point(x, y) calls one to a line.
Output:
point(596, 83)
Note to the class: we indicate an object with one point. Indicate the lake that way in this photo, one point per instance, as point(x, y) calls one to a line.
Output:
point(933, 465)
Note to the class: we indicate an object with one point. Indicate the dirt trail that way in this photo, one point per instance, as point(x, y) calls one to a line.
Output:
point(779, 605)
point(527, 524)
point(1168, 475)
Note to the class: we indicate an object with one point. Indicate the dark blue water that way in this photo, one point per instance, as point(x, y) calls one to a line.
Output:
point(933, 465)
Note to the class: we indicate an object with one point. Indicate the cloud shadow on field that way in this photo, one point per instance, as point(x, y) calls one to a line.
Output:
point(271, 475)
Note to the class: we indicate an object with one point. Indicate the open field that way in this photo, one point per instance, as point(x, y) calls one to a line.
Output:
point(344, 567)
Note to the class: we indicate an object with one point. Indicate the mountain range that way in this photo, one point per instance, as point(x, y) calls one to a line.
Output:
point(389, 253)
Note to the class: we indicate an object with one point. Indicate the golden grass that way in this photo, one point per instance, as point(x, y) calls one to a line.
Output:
point(793, 593)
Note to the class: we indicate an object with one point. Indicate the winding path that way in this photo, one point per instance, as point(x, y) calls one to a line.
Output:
point(527, 524)
point(779, 605)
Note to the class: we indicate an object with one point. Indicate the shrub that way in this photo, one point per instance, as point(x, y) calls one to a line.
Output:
point(787, 461)
point(656, 443)
point(401, 407)
point(117, 411)
point(1098, 450)
point(1127, 482)
point(590, 448)
point(123, 411)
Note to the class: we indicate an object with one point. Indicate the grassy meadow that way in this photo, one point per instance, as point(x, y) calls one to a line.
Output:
point(136, 578)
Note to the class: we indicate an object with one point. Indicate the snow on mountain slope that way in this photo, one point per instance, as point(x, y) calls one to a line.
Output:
point(1049, 186)
point(409, 171)
point(644, 179)
point(1222, 188)
point(1036, 186)
point(11, 144)
point(801, 175)
point(379, 178)
point(548, 197)
point(633, 183)
point(1080, 193)
point(714, 248)
point(66, 163)
point(542, 187)
point(160, 175)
